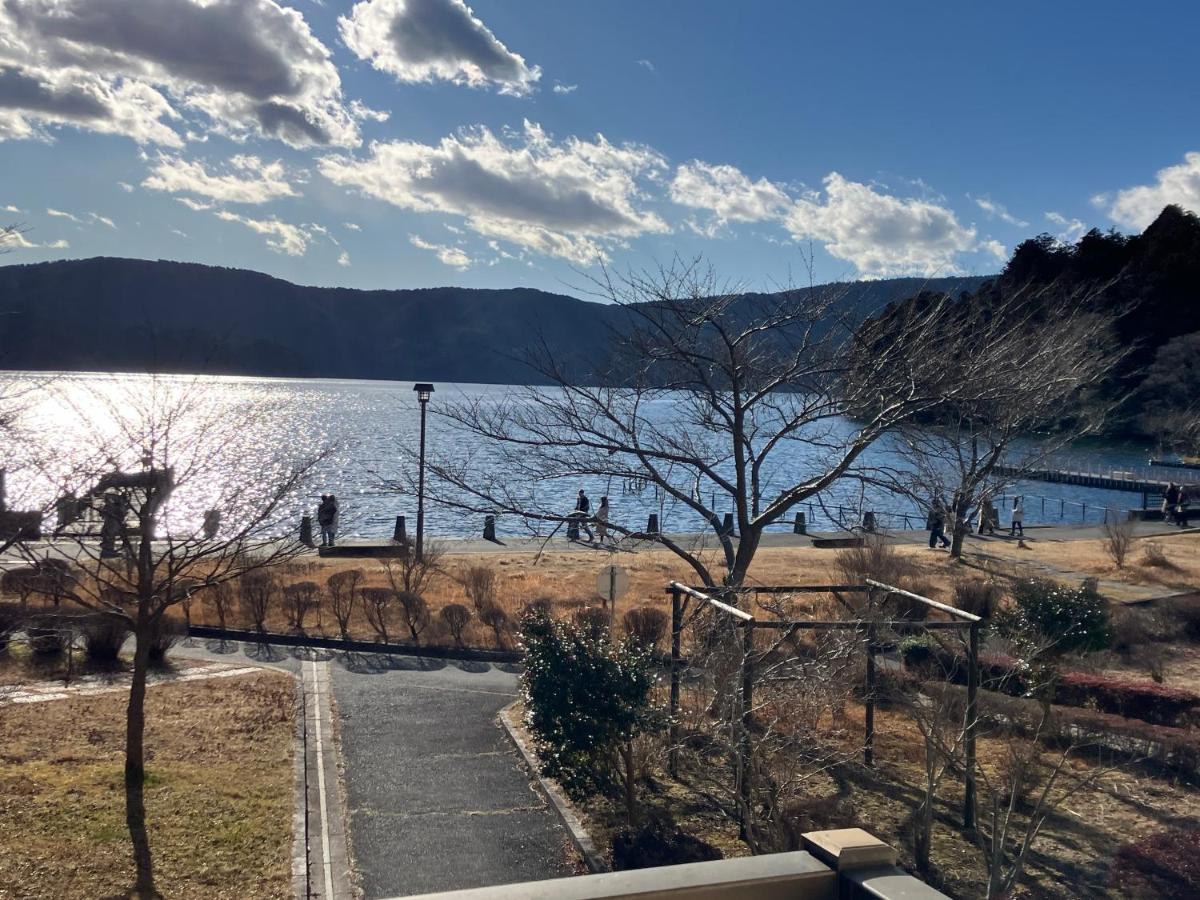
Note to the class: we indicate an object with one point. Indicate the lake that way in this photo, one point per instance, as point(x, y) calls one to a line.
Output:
point(374, 427)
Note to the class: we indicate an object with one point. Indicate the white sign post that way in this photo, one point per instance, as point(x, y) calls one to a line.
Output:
point(611, 583)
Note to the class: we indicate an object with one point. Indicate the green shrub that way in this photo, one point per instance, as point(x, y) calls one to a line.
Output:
point(1071, 619)
point(585, 699)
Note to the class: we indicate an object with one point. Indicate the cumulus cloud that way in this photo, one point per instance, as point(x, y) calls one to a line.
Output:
point(569, 199)
point(18, 241)
point(250, 67)
point(997, 211)
point(727, 193)
point(428, 40)
point(247, 180)
point(344, 259)
point(1071, 229)
point(61, 214)
point(881, 234)
point(450, 256)
point(560, 88)
point(1138, 206)
point(281, 236)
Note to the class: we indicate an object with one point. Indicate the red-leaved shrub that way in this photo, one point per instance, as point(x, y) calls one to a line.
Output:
point(1166, 864)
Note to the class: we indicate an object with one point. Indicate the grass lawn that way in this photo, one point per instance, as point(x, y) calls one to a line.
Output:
point(219, 793)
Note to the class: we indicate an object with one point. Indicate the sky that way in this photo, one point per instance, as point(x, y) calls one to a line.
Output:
point(417, 143)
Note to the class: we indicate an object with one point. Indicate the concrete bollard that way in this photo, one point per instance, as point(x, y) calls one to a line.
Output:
point(800, 526)
point(652, 525)
point(306, 537)
point(727, 524)
point(573, 529)
point(400, 533)
point(489, 528)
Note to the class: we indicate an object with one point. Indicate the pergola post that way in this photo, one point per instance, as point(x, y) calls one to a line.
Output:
point(869, 699)
point(673, 722)
point(747, 706)
point(969, 795)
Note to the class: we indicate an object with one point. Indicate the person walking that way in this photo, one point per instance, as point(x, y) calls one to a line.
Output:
point(602, 520)
point(1018, 518)
point(936, 524)
point(1181, 507)
point(581, 515)
point(987, 516)
point(1170, 501)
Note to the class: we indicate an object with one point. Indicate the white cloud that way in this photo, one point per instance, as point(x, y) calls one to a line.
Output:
point(727, 193)
point(344, 259)
point(881, 234)
point(281, 236)
point(178, 233)
point(12, 209)
point(570, 199)
point(103, 220)
point(195, 205)
point(560, 88)
point(249, 180)
point(450, 256)
point(133, 67)
point(126, 186)
point(60, 214)
point(996, 210)
point(428, 40)
point(995, 248)
point(18, 241)
point(353, 226)
point(646, 64)
point(1136, 207)
point(1072, 229)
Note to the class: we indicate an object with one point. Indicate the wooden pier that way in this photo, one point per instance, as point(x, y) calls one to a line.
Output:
point(1136, 480)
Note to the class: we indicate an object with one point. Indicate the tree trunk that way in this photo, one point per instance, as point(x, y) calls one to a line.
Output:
point(135, 770)
point(956, 540)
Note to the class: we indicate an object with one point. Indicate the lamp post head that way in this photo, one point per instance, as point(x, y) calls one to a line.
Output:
point(423, 391)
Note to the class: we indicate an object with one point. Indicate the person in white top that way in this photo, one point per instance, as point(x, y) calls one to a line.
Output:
point(1018, 518)
point(602, 520)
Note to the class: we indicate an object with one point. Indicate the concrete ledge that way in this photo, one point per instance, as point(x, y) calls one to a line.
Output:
point(562, 807)
point(779, 876)
point(849, 848)
point(888, 883)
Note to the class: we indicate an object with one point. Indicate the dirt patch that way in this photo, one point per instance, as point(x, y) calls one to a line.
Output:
point(218, 797)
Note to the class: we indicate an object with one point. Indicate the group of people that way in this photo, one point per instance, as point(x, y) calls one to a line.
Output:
point(327, 519)
point(1175, 504)
point(582, 516)
point(989, 521)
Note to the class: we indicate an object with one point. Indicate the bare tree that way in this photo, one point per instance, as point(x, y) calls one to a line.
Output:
point(408, 573)
point(343, 589)
point(456, 616)
point(222, 597)
point(495, 618)
point(415, 612)
point(258, 590)
point(1118, 537)
point(701, 389)
point(157, 449)
point(1029, 401)
point(479, 582)
point(299, 599)
point(377, 605)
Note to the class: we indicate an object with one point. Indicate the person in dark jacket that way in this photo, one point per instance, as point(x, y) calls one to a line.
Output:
point(936, 523)
point(581, 516)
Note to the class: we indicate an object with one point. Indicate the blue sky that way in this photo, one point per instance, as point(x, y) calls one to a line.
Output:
point(410, 143)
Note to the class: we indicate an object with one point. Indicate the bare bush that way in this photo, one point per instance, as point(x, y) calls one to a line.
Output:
point(496, 619)
point(222, 597)
point(1118, 537)
point(977, 596)
point(12, 617)
point(412, 574)
point(164, 634)
point(646, 625)
point(1154, 557)
point(878, 560)
point(538, 606)
point(377, 606)
point(343, 590)
point(257, 590)
point(456, 616)
point(103, 638)
point(299, 600)
point(479, 582)
point(415, 612)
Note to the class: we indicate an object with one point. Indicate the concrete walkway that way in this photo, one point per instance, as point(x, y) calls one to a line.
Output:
point(439, 798)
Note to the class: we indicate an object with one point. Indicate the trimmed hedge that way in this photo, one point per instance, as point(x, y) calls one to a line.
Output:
point(1166, 864)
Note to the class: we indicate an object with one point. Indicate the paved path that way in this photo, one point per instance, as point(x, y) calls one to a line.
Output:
point(439, 798)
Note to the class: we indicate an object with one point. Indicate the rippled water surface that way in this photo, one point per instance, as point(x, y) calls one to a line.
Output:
point(265, 425)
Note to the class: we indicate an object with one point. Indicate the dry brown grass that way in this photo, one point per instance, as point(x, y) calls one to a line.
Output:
point(218, 797)
point(1180, 552)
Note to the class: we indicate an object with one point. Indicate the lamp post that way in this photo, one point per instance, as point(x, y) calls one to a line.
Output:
point(423, 393)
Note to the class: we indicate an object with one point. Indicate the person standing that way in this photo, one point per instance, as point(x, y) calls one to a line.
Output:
point(1170, 501)
point(583, 508)
point(324, 519)
point(1181, 507)
point(936, 524)
point(602, 520)
point(1018, 518)
point(333, 518)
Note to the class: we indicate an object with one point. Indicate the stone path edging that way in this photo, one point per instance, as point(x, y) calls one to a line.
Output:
point(41, 691)
point(558, 801)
